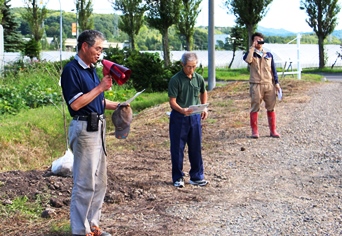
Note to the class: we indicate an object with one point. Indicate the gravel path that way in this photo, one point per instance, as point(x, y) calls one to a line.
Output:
point(287, 186)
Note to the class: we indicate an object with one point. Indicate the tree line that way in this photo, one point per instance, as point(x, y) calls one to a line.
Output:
point(156, 24)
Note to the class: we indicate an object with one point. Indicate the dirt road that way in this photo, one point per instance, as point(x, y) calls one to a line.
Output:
point(287, 186)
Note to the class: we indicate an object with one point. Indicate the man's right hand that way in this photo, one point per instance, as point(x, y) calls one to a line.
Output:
point(187, 111)
point(106, 83)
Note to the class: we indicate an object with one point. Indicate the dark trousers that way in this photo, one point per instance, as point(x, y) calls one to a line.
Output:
point(186, 130)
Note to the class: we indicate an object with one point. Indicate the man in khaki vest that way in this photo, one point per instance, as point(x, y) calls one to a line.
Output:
point(263, 84)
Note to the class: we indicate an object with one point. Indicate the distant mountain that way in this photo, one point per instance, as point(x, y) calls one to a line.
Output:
point(337, 34)
point(285, 33)
point(275, 32)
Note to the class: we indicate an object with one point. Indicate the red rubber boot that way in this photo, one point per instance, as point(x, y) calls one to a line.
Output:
point(272, 124)
point(254, 124)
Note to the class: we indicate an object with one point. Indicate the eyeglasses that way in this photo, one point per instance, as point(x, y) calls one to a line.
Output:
point(97, 49)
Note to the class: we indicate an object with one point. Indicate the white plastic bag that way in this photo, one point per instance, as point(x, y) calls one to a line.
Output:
point(63, 165)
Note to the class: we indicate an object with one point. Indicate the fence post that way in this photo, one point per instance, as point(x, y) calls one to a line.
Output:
point(299, 68)
point(2, 51)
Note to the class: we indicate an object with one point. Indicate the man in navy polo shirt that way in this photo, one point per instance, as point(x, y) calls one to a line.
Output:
point(84, 95)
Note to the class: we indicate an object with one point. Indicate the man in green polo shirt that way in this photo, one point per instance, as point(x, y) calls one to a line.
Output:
point(187, 88)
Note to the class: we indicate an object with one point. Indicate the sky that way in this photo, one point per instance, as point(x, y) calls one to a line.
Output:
point(282, 14)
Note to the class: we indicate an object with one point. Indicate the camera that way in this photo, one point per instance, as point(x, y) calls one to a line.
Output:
point(261, 42)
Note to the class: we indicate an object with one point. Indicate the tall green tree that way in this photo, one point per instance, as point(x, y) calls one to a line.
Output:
point(132, 18)
point(2, 2)
point(12, 39)
point(236, 41)
point(161, 15)
point(248, 13)
point(322, 19)
point(85, 10)
point(107, 24)
point(35, 16)
point(187, 21)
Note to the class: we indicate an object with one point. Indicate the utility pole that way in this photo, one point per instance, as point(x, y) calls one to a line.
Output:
point(61, 70)
point(2, 51)
point(77, 26)
point(211, 47)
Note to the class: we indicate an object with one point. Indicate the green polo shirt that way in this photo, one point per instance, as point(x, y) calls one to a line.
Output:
point(185, 90)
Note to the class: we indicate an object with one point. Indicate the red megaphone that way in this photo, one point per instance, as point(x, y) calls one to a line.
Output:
point(118, 72)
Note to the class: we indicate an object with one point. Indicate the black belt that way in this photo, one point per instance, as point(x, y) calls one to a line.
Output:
point(85, 118)
point(101, 117)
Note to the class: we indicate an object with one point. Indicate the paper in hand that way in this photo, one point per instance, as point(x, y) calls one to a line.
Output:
point(132, 98)
point(197, 109)
point(280, 94)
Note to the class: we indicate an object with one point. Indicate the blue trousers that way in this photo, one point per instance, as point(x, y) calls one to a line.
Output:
point(186, 130)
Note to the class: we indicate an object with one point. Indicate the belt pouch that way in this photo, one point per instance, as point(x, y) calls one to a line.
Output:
point(93, 122)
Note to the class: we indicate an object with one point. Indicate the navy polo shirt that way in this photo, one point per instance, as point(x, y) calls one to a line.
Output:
point(78, 79)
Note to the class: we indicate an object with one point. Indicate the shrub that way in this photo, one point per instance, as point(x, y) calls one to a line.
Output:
point(32, 49)
point(148, 71)
point(32, 86)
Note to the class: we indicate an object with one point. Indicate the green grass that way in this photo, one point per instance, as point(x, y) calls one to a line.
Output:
point(326, 70)
point(243, 74)
point(62, 227)
point(32, 138)
point(22, 206)
point(225, 74)
point(144, 101)
point(233, 74)
point(304, 77)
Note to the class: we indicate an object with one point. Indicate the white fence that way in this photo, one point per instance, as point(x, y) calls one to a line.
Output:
point(308, 54)
point(283, 53)
point(10, 57)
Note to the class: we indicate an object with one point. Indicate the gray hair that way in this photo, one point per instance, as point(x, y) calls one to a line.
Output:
point(89, 36)
point(189, 56)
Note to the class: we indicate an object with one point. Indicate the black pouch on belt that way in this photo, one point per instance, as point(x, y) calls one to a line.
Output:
point(93, 122)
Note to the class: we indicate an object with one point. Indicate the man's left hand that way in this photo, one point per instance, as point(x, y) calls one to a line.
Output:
point(204, 114)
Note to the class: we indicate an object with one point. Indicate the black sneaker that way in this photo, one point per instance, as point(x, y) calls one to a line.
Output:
point(179, 183)
point(201, 182)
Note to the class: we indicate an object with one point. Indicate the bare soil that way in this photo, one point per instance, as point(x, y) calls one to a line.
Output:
point(141, 199)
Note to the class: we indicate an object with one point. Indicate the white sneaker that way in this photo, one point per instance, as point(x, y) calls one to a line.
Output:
point(179, 183)
point(201, 182)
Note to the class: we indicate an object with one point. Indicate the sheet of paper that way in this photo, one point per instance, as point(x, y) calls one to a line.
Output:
point(197, 109)
point(136, 95)
point(280, 94)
